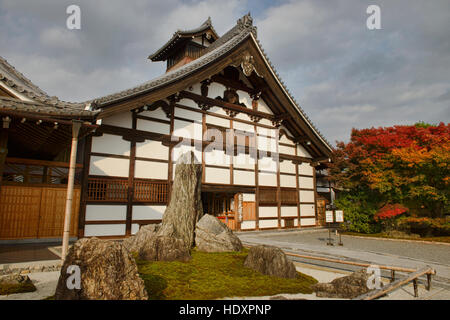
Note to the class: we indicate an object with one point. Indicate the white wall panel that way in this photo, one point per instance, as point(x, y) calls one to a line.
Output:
point(244, 161)
point(287, 166)
point(306, 182)
point(215, 90)
point(151, 170)
point(103, 166)
point(188, 114)
point(305, 168)
point(306, 196)
point(268, 224)
point(112, 144)
point(287, 181)
point(244, 177)
point(217, 175)
point(150, 212)
point(248, 197)
point(123, 119)
point(267, 179)
point(268, 212)
point(152, 126)
point(301, 152)
point(267, 164)
point(157, 114)
point(262, 107)
point(216, 157)
point(289, 211)
point(243, 126)
point(307, 210)
point(105, 212)
point(188, 130)
point(92, 230)
point(286, 150)
point(308, 222)
point(250, 224)
point(152, 149)
point(217, 121)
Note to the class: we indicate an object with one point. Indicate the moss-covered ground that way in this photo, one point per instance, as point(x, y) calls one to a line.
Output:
point(214, 276)
point(7, 288)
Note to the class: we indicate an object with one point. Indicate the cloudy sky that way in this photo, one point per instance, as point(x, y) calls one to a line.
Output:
point(343, 75)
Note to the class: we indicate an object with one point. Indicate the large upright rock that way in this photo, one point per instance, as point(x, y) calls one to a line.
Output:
point(175, 237)
point(211, 235)
point(271, 261)
point(107, 270)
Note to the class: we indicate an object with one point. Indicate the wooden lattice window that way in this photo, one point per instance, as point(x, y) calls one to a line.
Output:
point(268, 196)
point(150, 191)
point(107, 189)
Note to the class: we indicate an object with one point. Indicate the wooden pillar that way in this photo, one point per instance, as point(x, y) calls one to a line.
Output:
point(297, 185)
point(3, 145)
point(76, 125)
point(170, 168)
point(278, 179)
point(84, 185)
point(315, 192)
point(130, 195)
point(255, 145)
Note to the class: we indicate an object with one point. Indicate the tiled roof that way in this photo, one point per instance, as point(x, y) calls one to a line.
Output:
point(179, 34)
point(44, 109)
point(243, 29)
point(41, 101)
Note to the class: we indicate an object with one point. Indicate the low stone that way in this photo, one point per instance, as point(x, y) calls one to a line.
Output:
point(347, 287)
point(145, 235)
point(270, 260)
point(107, 272)
point(211, 235)
point(15, 283)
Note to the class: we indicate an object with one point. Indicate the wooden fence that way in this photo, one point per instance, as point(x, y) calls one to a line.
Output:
point(28, 211)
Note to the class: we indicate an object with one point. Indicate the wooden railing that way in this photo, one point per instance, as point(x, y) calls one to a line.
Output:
point(150, 191)
point(107, 189)
point(30, 171)
point(116, 190)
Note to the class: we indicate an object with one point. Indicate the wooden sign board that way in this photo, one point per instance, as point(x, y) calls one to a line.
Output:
point(329, 216)
point(339, 216)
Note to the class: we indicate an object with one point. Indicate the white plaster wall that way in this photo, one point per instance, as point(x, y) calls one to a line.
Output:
point(305, 168)
point(301, 152)
point(216, 157)
point(217, 175)
point(151, 170)
point(268, 212)
point(150, 212)
point(250, 224)
point(152, 126)
point(306, 182)
point(250, 197)
point(287, 181)
point(157, 114)
point(217, 121)
point(134, 228)
point(188, 114)
point(267, 144)
point(267, 132)
point(215, 90)
point(286, 150)
point(287, 166)
point(188, 103)
point(265, 122)
point(268, 224)
point(217, 110)
point(267, 164)
point(111, 144)
point(289, 211)
point(244, 161)
point(123, 119)
point(244, 177)
point(307, 210)
point(243, 126)
point(306, 196)
point(152, 149)
point(263, 107)
point(188, 130)
point(103, 166)
point(105, 212)
point(308, 222)
point(98, 230)
point(267, 179)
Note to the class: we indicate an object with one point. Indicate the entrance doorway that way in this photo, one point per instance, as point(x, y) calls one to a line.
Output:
point(223, 206)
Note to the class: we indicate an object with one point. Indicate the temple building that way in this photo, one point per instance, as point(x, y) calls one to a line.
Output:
point(219, 98)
